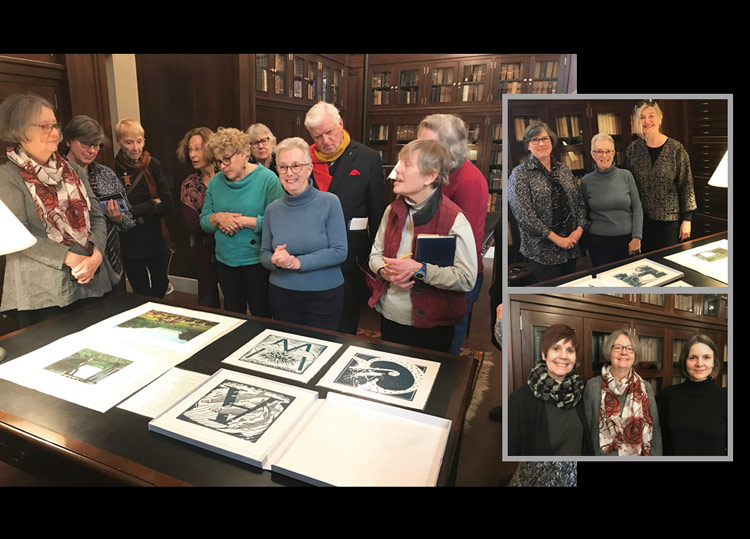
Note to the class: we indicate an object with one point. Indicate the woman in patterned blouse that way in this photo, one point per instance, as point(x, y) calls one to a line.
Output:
point(661, 169)
point(192, 149)
point(544, 197)
point(83, 137)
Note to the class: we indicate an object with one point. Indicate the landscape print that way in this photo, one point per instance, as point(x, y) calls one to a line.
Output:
point(175, 328)
point(88, 366)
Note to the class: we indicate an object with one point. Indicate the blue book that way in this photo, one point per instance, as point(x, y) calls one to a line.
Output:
point(436, 249)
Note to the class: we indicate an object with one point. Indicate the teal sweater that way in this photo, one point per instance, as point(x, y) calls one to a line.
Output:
point(312, 226)
point(248, 196)
point(613, 203)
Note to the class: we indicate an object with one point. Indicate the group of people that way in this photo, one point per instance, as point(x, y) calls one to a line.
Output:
point(615, 212)
point(615, 413)
point(288, 230)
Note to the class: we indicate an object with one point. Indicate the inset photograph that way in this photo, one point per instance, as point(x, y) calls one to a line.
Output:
point(618, 192)
point(617, 375)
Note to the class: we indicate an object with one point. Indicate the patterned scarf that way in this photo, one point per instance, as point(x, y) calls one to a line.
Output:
point(563, 221)
point(626, 430)
point(59, 196)
point(565, 394)
point(322, 161)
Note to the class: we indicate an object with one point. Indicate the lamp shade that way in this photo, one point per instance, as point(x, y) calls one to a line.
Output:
point(14, 236)
point(720, 177)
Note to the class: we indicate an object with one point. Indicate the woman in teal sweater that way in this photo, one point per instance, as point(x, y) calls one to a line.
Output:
point(236, 200)
point(304, 244)
point(613, 206)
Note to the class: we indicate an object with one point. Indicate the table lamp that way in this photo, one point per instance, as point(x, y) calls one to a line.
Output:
point(720, 177)
point(14, 238)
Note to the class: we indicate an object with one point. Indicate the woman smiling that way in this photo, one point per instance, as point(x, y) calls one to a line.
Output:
point(620, 405)
point(546, 416)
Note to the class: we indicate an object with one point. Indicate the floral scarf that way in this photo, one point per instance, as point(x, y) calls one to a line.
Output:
point(59, 196)
point(624, 430)
point(565, 394)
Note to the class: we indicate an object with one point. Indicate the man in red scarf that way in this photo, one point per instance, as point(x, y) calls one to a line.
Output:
point(354, 173)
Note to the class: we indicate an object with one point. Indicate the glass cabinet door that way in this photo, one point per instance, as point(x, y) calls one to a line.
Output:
point(380, 88)
point(279, 71)
point(473, 82)
point(570, 129)
point(544, 76)
point(509, 78)
point(408, 86)
point(443, 84)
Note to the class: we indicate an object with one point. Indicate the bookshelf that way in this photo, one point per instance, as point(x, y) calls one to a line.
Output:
point(662, 332)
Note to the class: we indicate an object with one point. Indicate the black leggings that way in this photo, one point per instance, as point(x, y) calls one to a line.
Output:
point(245, 287)
point(319, 309)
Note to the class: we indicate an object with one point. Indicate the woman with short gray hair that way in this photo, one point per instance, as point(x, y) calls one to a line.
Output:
point(613, 206)
point(84, 138)
point(54, 201)
point(545, 199)
point(262, 144)
point(620, 405)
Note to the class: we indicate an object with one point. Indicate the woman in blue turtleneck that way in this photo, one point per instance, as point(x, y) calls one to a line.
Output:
point(304, 244)
point(693, 414)
point(613, 205)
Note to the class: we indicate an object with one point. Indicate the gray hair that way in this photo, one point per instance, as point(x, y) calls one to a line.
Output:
point(433, 157)
point(84, 129)
point(609, 342)
point(451, 132)
point(261, 129)
point(534, 129)
point(293, 143)
point(16, 114)
point(602, 136)
point(318, 112)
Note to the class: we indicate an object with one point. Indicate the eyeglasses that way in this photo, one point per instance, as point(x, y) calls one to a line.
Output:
point(226, 161)
point(261, 142)
point(93, 146)
point(47, 128)
point(539, 140)
point(647, 102)
point(296, 167)
point(600, 153)
point(617, 348)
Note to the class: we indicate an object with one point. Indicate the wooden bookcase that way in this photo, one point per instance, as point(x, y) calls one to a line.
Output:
point(662, 323)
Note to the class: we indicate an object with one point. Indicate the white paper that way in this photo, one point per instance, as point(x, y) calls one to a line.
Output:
point(358, 223)
point(351, 442)
point(237, 415)
point(184, 331)
point(284, 354)
point(157, 397)
point(641, 273)
point(391, 378)
point(711, 260)
point(88, 370)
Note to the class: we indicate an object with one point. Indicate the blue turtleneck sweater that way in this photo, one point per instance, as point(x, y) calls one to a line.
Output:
point(613, 203)
point(312, 226)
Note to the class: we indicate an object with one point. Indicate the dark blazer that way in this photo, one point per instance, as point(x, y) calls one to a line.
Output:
point(358, 183)
point(528, 432)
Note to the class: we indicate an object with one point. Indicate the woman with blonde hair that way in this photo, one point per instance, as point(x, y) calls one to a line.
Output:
point(144, 247)
point(236, 201)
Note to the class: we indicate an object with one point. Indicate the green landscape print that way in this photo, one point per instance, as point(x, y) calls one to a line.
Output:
point(175, 328)
point(88, 366)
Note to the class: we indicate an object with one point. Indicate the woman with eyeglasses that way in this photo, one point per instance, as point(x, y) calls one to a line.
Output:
point(236, 201)
point(546, 416)
point(54, 201)
point(613, 206)
point(620, 405)
point(304, 244)
point(661, 168)
point(694, 413)
point(145, 246)
point(262, 144)
point(83, 138)
point(545, 199)
point(192, 149)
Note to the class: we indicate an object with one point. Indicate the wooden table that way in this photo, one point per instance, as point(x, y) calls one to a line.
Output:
point(691, 277)
point(74, 445)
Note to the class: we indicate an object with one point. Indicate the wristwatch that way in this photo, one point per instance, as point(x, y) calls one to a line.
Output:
point(421, 272)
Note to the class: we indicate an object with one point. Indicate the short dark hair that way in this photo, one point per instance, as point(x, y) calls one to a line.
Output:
point(702, 339)
point(85, 130)
point(534, 129)
point(555, 333)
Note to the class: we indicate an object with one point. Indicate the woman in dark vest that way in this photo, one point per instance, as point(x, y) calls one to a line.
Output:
point(420, 302)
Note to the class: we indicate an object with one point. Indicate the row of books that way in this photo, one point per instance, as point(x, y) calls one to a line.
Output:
point(544, 87)
point(521, 123)
point(442, 75)
point(609, 123)
point(472, 93)
point(380, 97)
point(494, 203)
point(510, 71)
point(572, 160)
point(381, 80)
point(569, 126)
point(546, 70)
point(378, 133)
point(409, 78)
point(441, 94)
point(474, 73)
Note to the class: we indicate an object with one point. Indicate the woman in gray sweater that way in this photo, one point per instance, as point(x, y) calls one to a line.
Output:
point(613, 206)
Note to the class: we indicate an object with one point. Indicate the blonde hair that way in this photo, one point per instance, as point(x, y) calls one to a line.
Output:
point(128, 126)
point(649, 103)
